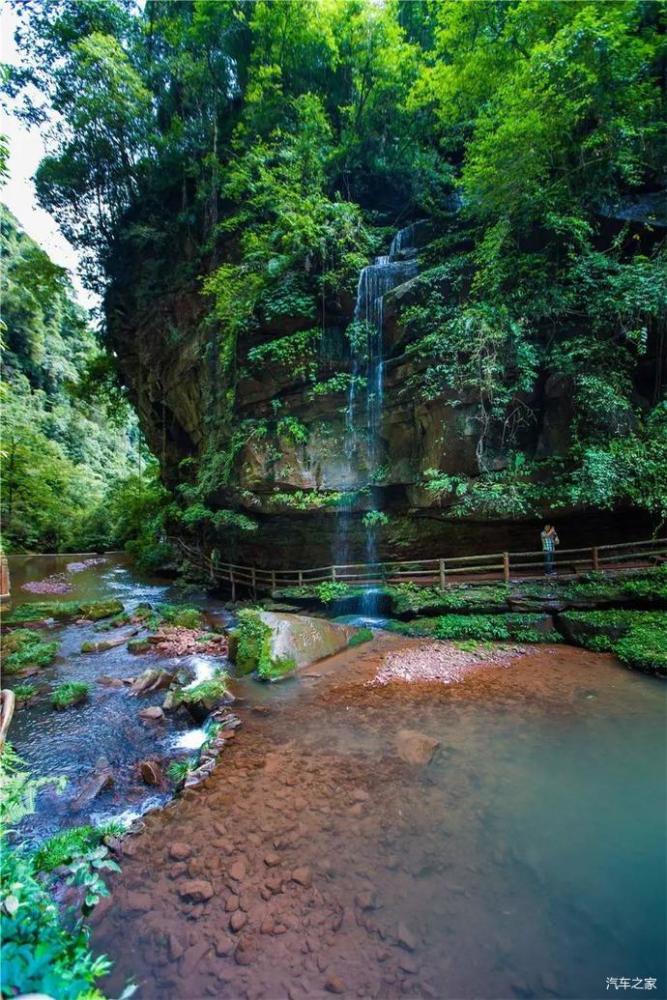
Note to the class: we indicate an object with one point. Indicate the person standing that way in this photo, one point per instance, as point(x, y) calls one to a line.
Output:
point(549, 542)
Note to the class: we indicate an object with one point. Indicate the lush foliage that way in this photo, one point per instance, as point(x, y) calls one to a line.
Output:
point(288, 139)
point(637, 638)
point(70, 693)
point(41, 953)
point(24, 647)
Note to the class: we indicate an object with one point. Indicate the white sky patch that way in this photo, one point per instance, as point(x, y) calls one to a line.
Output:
point(26, 149)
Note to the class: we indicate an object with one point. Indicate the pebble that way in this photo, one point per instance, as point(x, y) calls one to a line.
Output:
point(271, 859)
point(232, 904)
point(303, 875)
point(405, 937)
point(238, 920)
point(179, 851)
point(197, 890)
point(334, 984)
point(238, 870)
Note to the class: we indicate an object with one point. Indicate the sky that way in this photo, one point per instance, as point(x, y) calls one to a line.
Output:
point(26, 149)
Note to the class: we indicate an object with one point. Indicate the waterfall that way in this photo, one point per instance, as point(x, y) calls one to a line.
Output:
point(364, 422)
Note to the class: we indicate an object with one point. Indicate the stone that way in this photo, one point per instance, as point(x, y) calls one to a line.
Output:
point(196, 890)
point(153, 712)
point(408, 964)
point(151, 680)
point(139, 901)
point(267, 926)
point(405, 937)
point(303, 876)
point(224, 945)
point(174, 947)
point(359, 795)
point(237, 870)
point(415, 748)
point(232, 904)
point(274, 884)
point(271, 859)
point(334, 984)
point(101, 780)
point(366, 900)
point(238, 920)
point(179, 851)
point(150, 772)
point(245, 952)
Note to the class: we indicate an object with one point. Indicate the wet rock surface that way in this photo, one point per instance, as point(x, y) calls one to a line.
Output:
point(332, 866)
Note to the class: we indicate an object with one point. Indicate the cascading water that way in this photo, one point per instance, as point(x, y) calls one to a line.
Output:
point(364, 415)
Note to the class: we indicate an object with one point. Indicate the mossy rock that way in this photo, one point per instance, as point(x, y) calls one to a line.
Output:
point(25, 648)
point(138, 646)
point(637, 638)
point(484, 628)
point(69, 694)
point(200, 699)
point(180, 616)
point(64, 610)
point(274, 645)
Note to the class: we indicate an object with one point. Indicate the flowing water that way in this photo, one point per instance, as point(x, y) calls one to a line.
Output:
point(106, 730)
point(363, 437)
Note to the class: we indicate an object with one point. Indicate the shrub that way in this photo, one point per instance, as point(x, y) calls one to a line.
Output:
point(637, 638)
point(276, 668)
point(330, 592)
point(68, 694)
point(207, 693)
point(252, 641)
point(65, 846)
point(179, 616)
point(62, 610)
point(24, 692)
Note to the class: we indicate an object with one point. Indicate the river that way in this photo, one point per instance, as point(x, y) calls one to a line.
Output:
point(527, 860)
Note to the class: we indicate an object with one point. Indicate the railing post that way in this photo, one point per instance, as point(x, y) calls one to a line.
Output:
point(273, 579)
point(596, 558)
point(442, 574)
point(300, 578)
point(231, 577)
point(333, 572)
point(506, 567)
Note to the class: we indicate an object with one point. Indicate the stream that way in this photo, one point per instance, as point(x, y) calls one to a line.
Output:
point(527, 860)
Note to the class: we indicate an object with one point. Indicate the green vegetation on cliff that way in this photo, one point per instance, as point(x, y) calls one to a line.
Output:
point(238, 163)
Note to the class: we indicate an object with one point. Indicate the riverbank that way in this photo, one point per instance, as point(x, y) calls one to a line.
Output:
point(317, 860)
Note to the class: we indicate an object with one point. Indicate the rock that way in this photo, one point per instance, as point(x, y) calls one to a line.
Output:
point(357, 810)
point(110, 682)
point(232, 903)
point(153, 712)
point(408, 964)
point(180, 851)
point(237, 870)
point(196, 890)
point(150, 772)
point(405, 937)
point(271, 859)
point(223, 945)
point(366, 900)
point(139, 901)
point(274, 884)
point(334, 984)
point(415, 747)
point(174, 947)
point(245, 951)
point(303, 875)
point(359, 795)
point(267, 925)
point(151, 680)
point(238, 920)
point(93, 787)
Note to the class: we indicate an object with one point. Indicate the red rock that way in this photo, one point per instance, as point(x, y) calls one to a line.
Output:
point(272, 859)
point(180, 851)
point(153, 712)
point(237, 870)
point(303, 875)
point(357, 809)
point(178, 869)
point(366, 900)
point(405, 937)
point(244, 953)
point(196, 890)
point(267, 926)
point(232, 904)
point(223, 946)
point(334, 984)
point(359, 795)
point(174, 947)
point(408, 964)
point(141, 901)
point(414, 747)
point(238, 920)
point(274, 884)
point(150, 772)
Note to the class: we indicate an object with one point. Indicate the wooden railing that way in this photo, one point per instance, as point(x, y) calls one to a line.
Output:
point(432, 572)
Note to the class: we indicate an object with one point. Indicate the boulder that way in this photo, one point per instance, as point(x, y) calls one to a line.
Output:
point(150, 772)
point(196, 890)
point(151, 680)
point(100, 780)
point(153, 712)
point(415, 747)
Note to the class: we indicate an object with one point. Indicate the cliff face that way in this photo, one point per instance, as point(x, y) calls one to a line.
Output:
point(285, 442)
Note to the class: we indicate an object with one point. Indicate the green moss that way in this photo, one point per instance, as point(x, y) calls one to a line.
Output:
point(64, 610)
point(207, 694)
point(484, 628)
point(251, 646)
point(68, 694)
point(411, 598)
point(180, 616)
point(330, 592)
point(275, 669)
point(24, 692)
point(25, 648)
point(63, 847)
point(637, 638)
point(138, 646)
point(360, 636)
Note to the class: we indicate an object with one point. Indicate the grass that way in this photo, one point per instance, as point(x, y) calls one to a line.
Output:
point(479, 628)
point(207, 693)
point(66, 845)
point(62, 610)
point(68, 694)
point(179, 770)
point(276, 668)
point(180, 616)
point(24, 692)
point(25, 648)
